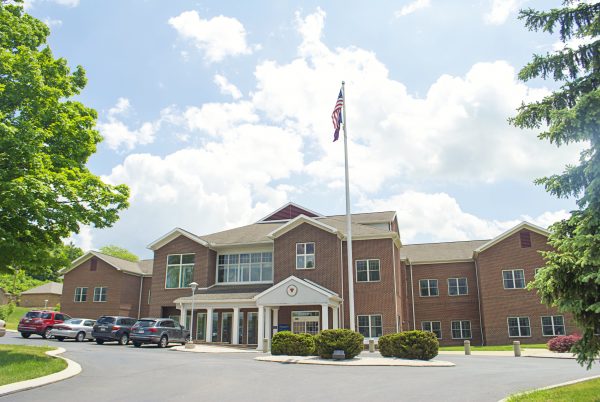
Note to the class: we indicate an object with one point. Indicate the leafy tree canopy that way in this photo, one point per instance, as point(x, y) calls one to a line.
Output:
point(570, 279)
point(119, 252)
point(46, 138)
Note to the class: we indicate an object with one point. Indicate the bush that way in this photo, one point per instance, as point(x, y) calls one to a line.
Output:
point(339, 339)
point(288, 343)
point(420, 345)
point(57, 307)
point(563, 343)
point(6, 310)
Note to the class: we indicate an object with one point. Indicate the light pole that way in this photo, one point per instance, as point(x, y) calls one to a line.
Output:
point(194, 286)
point(45, 304)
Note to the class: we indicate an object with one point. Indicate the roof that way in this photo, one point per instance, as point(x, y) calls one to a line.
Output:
point(54, 288)
point(140, 268)
point(173, 234)
point(289, 211)
point(369, 217)
point(440, 252)
point(510, 232)
point(225, 293)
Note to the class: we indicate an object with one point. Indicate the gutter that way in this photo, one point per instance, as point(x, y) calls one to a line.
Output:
point(395, 285)
point(479, 301)
point(140, 299)
point(412, 295)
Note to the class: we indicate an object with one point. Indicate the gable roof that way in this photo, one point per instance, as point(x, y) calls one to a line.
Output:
point(173, 234)
point(310, 284)
point(54, 288)
point(289, 211)
point(369, 217)
point(299, 220)
point(139, 268)
point(431, 253)
point(510, 232)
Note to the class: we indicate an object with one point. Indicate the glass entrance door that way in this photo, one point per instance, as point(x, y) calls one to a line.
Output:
point(226, 322)
point(252, 328)
point(305, 322)
point(201, 326)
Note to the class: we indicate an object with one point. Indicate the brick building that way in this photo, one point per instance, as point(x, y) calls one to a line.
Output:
point(288, 271)
point(46, 295)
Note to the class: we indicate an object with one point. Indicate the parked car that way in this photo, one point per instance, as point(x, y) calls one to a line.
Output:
point(159, 331)
point(110, 328)
point(40, 322)
point(2, 329)
point(79, 329)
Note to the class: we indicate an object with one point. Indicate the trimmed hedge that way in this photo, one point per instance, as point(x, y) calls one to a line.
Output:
point(288, 343)
point(563, 343)
point(330, 340)
point(420, 345)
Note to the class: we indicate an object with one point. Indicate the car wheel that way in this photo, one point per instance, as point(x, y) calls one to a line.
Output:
point(25, 335)
point(137, 344)
point(163, 342)
point(47, 333)
point(124, 339)
point(80, 337)
point(99, 341)
point(60, 338)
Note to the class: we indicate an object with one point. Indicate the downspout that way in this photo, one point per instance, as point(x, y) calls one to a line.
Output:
point(412, 296)
point(341, 310)
point(479, 300)
point(395, 284)
point(140, 299)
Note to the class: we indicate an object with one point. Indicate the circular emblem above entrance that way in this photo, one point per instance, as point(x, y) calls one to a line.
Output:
point(292, 290)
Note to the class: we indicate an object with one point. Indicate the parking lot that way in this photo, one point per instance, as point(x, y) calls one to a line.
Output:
point(124, 373)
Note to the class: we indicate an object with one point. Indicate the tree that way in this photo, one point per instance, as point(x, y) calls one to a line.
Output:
point(46, 138)
point(119, 252)
point(570, 279)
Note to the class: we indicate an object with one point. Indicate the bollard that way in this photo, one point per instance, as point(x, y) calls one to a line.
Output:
point(265, 345)
point(371, 345)
point(517, 348)
point(468, 348)
point(190, 345)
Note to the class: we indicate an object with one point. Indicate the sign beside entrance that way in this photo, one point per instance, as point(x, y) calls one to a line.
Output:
point(283, 327)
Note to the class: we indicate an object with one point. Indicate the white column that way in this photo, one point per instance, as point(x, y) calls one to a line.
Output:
point(268, 329)
point(261, 328)
point(336, 314)
point(209, 323)
point(236, 326)
point(183, 315)
point(325, 316)
point(276, 318)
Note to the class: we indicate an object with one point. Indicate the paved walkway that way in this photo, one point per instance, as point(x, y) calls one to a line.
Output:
point(509, 353)
point(203, 348)
point(357, 361)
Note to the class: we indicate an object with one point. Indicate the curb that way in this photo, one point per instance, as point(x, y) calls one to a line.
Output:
point(362, 362)
point(72, 369)
point(550, 387)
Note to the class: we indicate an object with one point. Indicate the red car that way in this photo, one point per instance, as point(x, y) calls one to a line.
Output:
point(40, 323)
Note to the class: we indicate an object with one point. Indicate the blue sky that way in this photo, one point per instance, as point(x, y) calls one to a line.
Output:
point(216, 113)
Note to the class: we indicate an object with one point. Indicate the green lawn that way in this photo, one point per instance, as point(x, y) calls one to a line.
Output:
point(13, 320)
point(586, 391)
point(493, 348)
point(21, 363)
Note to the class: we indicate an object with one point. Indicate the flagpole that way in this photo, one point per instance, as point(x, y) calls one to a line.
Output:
point(348, 220)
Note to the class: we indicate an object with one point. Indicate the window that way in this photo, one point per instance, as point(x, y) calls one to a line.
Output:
point(432, 326)
point(89, 323)
point(180, 271)
point(305, 255)
point(367, 270)
point(245, 268)
point(100, 294)
point(461, 329)
point(518, 327)
point(525, 239)
point(80, 295)
point(370, 326)
point(553, 325)
point(429, 287)
point(457, 286)
point(514, 279)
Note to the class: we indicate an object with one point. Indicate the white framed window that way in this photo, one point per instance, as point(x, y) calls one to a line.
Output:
point(553, 325)
point(513, 279)
point(432, 326)
point(245, 267)
point(461, 329)
point(367, 271)
point(180, 271)
point(518, 327)
point(370, 326)
point(305, 255)
point(458, 287)
point(428, 287)
point(80, 295)
point(100, 294)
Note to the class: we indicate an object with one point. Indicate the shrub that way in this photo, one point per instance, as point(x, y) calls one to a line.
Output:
point(57, 307)
point(420, 345)
point(563, 343)
point(288, 343)
point(6, 310)
point(339, 339)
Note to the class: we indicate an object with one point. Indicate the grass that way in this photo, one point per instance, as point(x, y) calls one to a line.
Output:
point(21, 363)
point(493, 348)
point(586, 391)
point(12, 321)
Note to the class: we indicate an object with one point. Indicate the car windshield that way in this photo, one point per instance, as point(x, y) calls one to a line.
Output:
point(106, 320)
point(33, 314)
point(145, 323)
point(73, 321)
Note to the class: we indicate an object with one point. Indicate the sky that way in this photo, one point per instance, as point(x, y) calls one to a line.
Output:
point(216, 113)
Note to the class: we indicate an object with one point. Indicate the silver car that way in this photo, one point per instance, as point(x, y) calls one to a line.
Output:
point(76, 328)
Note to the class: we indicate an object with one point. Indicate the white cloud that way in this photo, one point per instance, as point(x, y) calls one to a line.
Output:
point(573, 43)
point(29, 4)
point(84, 239)
point(217, 37)
point(226, 87)
point(501, 10)
point(52, 22)
point(412, 7)
point(116, 133)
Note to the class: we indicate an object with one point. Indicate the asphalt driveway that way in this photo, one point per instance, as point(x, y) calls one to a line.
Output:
point(117, 373)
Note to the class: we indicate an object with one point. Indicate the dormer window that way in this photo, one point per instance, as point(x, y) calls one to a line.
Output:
point(305, 255)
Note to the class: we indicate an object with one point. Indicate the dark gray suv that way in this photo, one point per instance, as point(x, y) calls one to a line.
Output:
point(112, 328)
point(159, 331)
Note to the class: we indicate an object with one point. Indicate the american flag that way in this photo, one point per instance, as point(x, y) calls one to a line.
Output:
point(336, 116)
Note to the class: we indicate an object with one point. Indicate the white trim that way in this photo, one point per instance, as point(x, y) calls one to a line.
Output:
point(77, 262)
point(262, 220)
point(297, 221)
point(370, 324)
point(238, 253)
point(461, 329)
point(330, 294)
point(172, 235)
point(437, 286)
point(368, 276)
point(519, 327)
point(314, 254)
point(458, 287)
point(512, 271)
point(553, 325)
point(510, 232)
point(181, 264)
point(80, 294)
point(105, 294)
point(431, 326)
